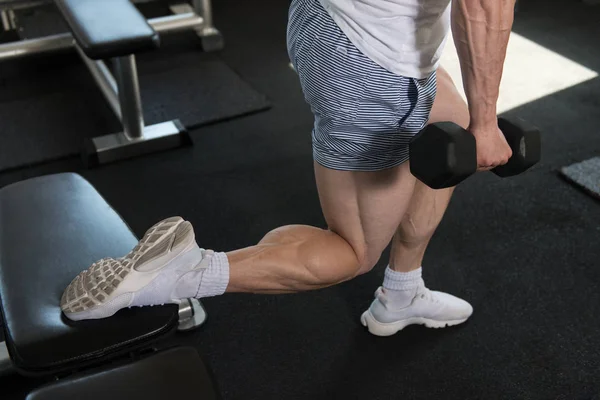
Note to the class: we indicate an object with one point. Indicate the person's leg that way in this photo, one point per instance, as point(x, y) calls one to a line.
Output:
point(362, 210)
point(395, 306)
point(363, 182)
point(427, 206)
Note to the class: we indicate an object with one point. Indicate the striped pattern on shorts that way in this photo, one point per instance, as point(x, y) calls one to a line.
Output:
point(365, 116)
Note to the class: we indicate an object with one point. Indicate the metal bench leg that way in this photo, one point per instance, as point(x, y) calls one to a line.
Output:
point(129, 97)
point(212, 39)
point(123, 95)
point(6, 366)
point(192, 315)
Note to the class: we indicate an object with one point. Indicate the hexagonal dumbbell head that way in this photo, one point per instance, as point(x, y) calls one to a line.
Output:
point(443, 155)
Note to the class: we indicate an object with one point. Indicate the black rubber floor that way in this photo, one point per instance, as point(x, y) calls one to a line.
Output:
point(524, 251)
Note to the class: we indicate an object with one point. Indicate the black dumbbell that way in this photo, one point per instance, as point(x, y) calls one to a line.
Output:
point(444, 154)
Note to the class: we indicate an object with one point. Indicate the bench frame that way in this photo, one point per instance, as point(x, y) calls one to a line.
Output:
point(195, 14)
point(6, 366)
point(121, 91)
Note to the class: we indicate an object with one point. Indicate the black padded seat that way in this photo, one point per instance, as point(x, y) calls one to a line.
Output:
point(108, 28)
point(51, 228)
point(175, 374)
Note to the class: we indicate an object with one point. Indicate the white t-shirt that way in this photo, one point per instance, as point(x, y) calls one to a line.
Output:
point(405, 37)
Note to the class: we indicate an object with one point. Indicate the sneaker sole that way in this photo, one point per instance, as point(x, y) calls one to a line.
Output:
point(92, 294)
point(388, 329)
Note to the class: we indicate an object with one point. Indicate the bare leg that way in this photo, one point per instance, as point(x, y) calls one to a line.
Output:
point(404, 300)
point(362, 210)
point(427, 206)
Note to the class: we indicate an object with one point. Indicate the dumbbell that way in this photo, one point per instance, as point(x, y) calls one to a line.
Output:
point(444, 154)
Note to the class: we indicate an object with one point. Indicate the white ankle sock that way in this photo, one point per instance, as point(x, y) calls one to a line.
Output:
point(205, 282)
point(401, 287)
point(216, 277)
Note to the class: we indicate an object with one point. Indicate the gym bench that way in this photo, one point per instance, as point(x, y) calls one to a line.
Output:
point(51, 228)
point(115, 30)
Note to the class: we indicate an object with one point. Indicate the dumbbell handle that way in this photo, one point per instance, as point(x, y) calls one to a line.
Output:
point(526, 149)
point(444, 154)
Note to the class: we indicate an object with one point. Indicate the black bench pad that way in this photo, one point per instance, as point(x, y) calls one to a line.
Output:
point(174, 374)
point(51, 228)
point(108, 28)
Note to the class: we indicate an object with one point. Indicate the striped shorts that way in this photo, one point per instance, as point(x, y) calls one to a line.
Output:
point(365, 116)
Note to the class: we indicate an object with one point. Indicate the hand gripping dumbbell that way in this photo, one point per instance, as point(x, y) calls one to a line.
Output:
point(444, 154)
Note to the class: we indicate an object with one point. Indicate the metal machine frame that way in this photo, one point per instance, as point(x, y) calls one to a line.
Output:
point(122, 91)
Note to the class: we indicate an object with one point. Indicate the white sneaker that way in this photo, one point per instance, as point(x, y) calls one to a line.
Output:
point(149, 275)
point(430, 308)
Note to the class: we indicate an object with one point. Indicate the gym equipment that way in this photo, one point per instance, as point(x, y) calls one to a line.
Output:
point(73, 226)
point(444, 154)
point(173, 374)
point(114, 30)
point(191, 14)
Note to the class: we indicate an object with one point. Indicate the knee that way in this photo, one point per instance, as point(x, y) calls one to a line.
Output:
point(367, 258)
point(349, 260)
point(361, 267)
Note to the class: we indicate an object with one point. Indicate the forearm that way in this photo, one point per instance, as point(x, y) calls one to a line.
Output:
point(481, 29)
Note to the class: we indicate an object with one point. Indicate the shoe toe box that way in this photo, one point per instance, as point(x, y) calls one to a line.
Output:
point(456, 307)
